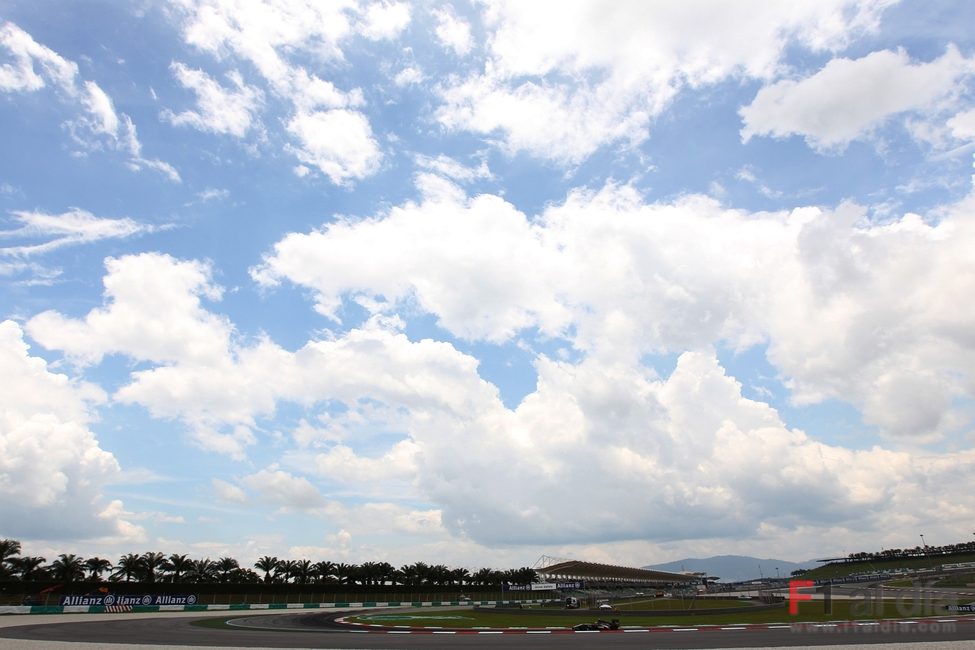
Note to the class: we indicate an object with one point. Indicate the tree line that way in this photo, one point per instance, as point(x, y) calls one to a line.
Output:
point(151, 567)
point(917, 551)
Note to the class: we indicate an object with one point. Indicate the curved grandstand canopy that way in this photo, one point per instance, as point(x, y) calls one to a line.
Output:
point(593, 571)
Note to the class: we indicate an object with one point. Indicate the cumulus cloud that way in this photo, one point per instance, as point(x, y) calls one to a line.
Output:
point(615, 278)
point(342, 464)
point(285, 490)
point(52, 468)
point(565, 78)
point(153, 311)
point(871, 313)
point(962, 125)
point(200, 373)
point(220, 110)
point(849, 98)
point(384, 20)
point(453, 33)
point(338, 142)
point(408, 76)
point(689, 451)
point(277, 39)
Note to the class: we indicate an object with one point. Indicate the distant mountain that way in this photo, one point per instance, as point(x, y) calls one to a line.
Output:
point(735, 568)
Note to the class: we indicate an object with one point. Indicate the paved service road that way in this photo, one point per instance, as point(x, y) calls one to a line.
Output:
point(303, 631)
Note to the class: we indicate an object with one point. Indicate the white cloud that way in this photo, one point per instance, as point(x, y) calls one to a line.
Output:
point(849, 98)
point(153, 312)
point(273, 38)
point(338, 142)
point(385, 20)
point(220, 110)
point(52, 468)
point(341, 463)
point(228, 491)
point(453, 169)
point(99, 125)
point(20, 74)
point(688, 449)
point(611, 276)
point(962, 125)
point(100, 106)
point(286, 490)
point(565, 78)
point(213, 194)
point(408, 76)
point(453, 32)
point(67, 229)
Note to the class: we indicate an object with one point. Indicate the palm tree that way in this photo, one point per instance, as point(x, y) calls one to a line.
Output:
point(323, 570)
point(267, 564)
point(226, 566)
point(29, 568)
point(178, 565)
point(302, 571)
point(345, 573)
point(96, 567)
point(150, 562)
point(409, 575)
point(286, 568)
point(367, 573)
point(439, 574)
point(204, 570)
point(128, 567)
point(460, 577)
point(8, 549)
point(68, 568)
point(386, 572)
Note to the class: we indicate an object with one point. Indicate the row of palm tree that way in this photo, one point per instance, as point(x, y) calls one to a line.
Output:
point(151, 567)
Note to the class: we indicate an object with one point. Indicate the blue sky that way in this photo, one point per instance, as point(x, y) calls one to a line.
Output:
point(424, 281)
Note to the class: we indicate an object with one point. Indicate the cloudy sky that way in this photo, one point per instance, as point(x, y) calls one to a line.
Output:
point(471, 283)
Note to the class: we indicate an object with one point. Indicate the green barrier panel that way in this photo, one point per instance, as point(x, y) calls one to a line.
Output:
point(342, 604)
point(310, 606)
point(393, 604)
point(46, 609)
point(368, 604)
point(195, 608)
point(277, 606)
point(238, 606)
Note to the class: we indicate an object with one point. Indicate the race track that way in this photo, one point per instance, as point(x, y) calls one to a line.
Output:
point(315, 630)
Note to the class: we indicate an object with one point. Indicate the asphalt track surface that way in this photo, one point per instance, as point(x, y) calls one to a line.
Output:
point(316, 630)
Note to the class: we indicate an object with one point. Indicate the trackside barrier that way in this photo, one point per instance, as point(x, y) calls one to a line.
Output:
point(100, 609)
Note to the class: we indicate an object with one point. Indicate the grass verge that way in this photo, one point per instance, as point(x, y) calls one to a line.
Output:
point(842, 610)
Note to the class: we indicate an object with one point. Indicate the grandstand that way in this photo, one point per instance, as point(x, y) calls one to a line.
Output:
point(595, 574)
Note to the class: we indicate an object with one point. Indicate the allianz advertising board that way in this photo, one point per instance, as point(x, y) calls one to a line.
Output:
point(111, 600)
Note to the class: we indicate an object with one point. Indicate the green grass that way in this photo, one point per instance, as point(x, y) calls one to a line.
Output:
point(808, 611)
point(957, 580)
point(215, 623)
point(670, 604)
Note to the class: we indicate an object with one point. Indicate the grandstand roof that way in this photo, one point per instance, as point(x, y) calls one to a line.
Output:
point(577, 569)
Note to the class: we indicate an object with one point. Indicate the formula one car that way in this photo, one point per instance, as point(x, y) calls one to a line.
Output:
point(598, 626)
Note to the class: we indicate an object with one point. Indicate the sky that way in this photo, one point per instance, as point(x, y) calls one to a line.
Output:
point(475, 283)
